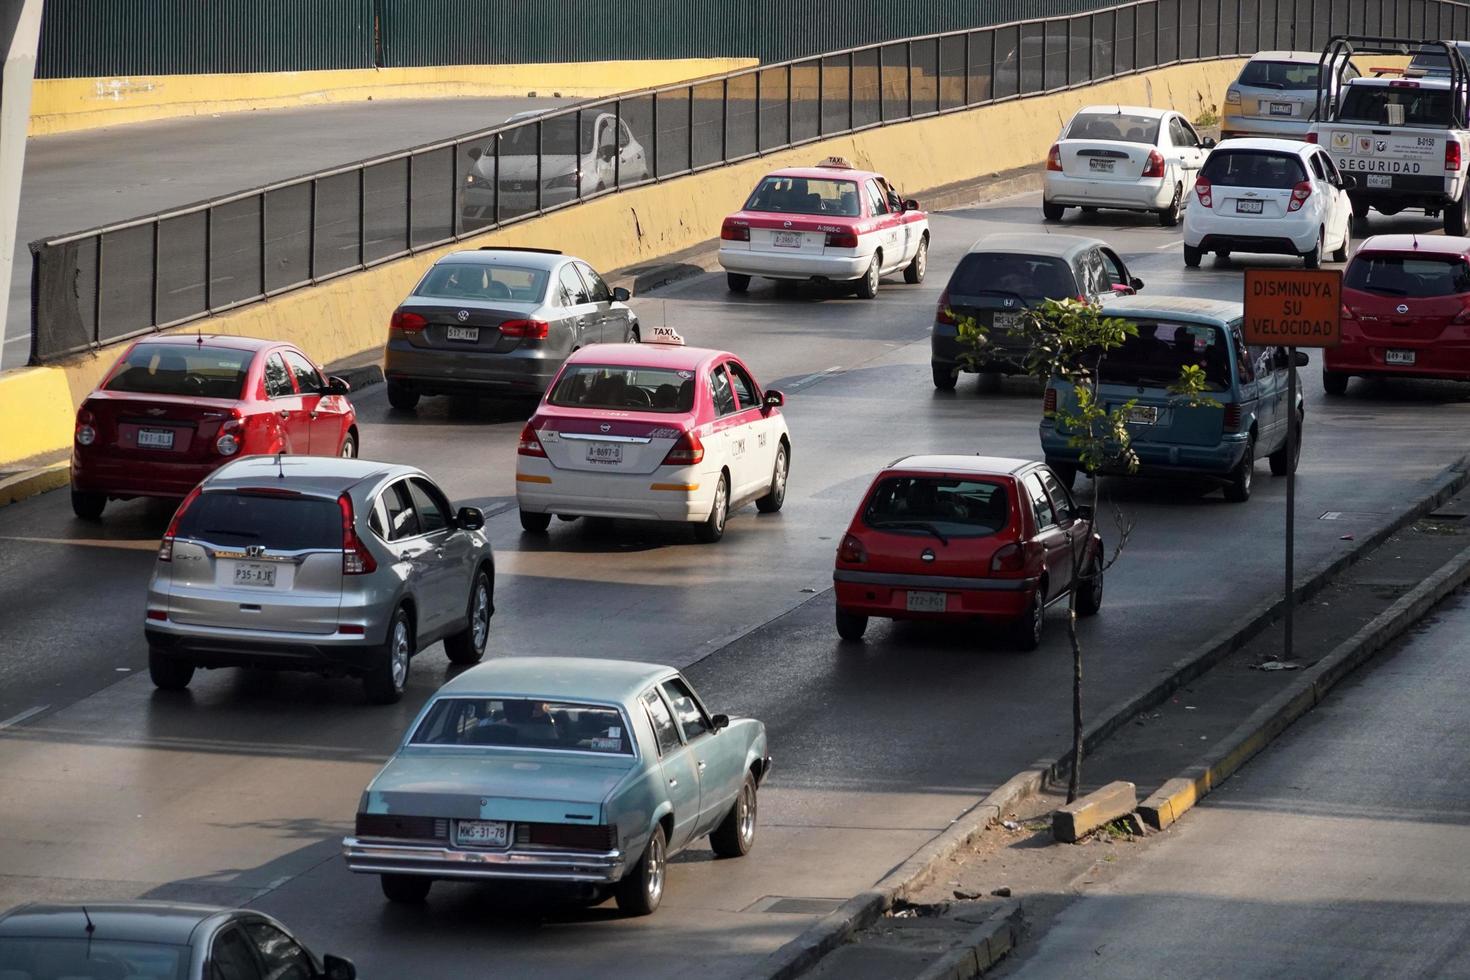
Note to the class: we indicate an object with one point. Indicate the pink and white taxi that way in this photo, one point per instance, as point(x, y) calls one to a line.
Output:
point(828, 223)
point(655, 431)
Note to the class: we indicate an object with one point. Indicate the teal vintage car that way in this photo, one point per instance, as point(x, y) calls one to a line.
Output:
point(589, 773)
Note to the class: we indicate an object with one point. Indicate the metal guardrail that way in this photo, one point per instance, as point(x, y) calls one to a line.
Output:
point(110, 284)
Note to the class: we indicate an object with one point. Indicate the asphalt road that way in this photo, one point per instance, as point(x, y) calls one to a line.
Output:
point(238, 790)
point(1338, 852)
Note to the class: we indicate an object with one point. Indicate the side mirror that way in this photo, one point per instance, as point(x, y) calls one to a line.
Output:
point(621, 295)
point(1208, 142)
point(1136, 283)
point(911, 205)
point(338, 968)
point(1278, 357)
point(774, 399)
point(719, 721)
point(1347, 181)
point(470, 518)
point(1122, 287)
point(1084, 512)
point(1302, 360)
point(474, 152)
point(335, 386)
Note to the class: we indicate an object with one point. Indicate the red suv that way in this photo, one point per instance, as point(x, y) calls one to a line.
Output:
point(965, 537)
point(1405, 311)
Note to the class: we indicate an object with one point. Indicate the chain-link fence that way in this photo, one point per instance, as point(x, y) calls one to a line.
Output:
point(106, 285)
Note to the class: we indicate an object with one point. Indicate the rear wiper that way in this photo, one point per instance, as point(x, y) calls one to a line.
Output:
point(995, 292)
point(918, 526)
point(1276, 85)
point(230, 531)
point(1390, 290)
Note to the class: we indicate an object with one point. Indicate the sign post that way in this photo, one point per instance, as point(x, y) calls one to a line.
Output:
point(1287, 309)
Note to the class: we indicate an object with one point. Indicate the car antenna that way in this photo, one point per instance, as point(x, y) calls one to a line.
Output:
point(280, 473)
point(199, 336)
point(91, 926)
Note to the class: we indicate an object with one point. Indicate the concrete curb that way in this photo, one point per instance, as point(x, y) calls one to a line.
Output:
point(1176, 796)
point(983, 948)
point(53, 476)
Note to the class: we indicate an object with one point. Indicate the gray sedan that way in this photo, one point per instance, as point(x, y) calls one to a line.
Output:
point(337, 566)
point(499, 321)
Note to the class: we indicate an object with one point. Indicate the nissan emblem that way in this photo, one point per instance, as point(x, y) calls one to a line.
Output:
point(463, 315)
point(1402, 308)
point(604, 427)
point(926, 555)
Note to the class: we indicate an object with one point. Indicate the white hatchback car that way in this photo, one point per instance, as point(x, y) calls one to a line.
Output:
point(1280, 197)
point(1128, 157)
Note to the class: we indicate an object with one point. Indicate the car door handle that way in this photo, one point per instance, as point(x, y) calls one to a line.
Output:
point(284, 414)
point(673, 782)
point(438, 552)
point(701, 766)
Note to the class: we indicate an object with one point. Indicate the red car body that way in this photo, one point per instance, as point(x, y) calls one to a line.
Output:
point(1406, 311)
point(962, 538)
point(174, 408)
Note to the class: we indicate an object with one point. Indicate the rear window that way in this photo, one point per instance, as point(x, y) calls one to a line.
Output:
point(641, 389)
point(1253, 168)
point(805, 195)
point(1005, 274)
point(1282, 75)
point(475, 282)
point(525, 722)
point(1421, 106)
point(942, 506)
point(1156, 355)
point(172, 369)
point(1114, 126)
point(55, 958)
point(277, 523)
point(1408, 275)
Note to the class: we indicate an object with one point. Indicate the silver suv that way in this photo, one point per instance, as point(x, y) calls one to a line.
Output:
point(339, 566)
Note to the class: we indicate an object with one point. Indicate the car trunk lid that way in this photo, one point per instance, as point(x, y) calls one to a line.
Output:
point(497, 784)
point(472, 327)
point(1104, 159)
point(163, 427)
point(608, 441)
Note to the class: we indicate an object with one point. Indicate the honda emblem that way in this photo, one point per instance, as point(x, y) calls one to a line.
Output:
point(1008, 303)
point(463, 315)
point(255, 551)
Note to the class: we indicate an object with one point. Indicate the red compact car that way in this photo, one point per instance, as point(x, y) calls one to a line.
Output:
point(965, 537)
point(1405, 311)
point(173, 408)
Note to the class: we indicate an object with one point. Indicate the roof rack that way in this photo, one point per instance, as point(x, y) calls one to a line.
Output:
point(519, 248)
point(1339, 52)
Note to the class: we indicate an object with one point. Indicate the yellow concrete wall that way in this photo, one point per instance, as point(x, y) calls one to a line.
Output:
point(36, 411)
point(63, 105)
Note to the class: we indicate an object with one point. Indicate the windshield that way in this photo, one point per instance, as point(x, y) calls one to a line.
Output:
point(556, 137)
point(1154, 358)
point(1114, 126)
point(173, 369)
point(97, 959)
point(644, 389)
point(1006, 274)
point(1283, 75)
point(1408, 275)
point(940, 506)
point(1253, 168)
point(278, 523)
point(525, 721)
point(1421, 106)
point(802, 195)
point(475, 281)
point(1435, 59)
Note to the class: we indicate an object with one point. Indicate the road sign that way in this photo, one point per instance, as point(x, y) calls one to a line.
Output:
point(1293, 307)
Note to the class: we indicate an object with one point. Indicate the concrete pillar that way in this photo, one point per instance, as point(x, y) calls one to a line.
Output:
point(20, 31)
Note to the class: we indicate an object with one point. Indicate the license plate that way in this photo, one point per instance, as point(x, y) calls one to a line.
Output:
point(482, 833)
point(472, 334)
point(1398, 357)
point(1280, 108)
point(787, 239)
point(1248, 207)
point(1007, 321)
point(1101, 166)
point(258, 574)
point(604, 452)
point(927, 601)
point(1380, 180)
point(1143, 415)
point(155, 439)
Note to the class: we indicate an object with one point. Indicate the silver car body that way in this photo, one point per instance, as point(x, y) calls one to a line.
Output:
point(1283, 101)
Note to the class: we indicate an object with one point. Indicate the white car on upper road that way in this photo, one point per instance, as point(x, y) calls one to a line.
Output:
point(1281, 197)
point(1128, 157)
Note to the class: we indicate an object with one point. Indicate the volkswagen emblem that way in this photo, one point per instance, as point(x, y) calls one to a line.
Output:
point(1402, 308)
point(255, 551)
point(926, 555)
point(463, 315)
point(604, 427)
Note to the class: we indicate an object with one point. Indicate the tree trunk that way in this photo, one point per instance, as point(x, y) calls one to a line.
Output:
point(1079, 570)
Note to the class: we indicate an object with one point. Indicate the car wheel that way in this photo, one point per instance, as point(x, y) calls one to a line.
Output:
point(1169, 217)
point(1454, 216)
point(867, 286)
point(169, 673)
point(1192, 256)
point(388, 675)
point(1066, 473)
point(349, 446)
point(402, 398)
point(642, 888)
point(776, 496)
point(1284, 460)
point(735, 835)
point(914, 273)
point(1029, 626)
point(1340, 254)
point(468, 645)
point(405, 889)
point(1052, 212)
point(945, 376)
point(535, 522)
point(1335, 382)
point(1090, 589)
point(88, 506)
point(1313, 259)
point(736, 282)
point(712, 528)
point(851, 626)
point(569, 518)
point(1223, 255)
point(1238, 490)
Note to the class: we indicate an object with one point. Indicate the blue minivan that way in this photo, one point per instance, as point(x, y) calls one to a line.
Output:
point(1220, 441)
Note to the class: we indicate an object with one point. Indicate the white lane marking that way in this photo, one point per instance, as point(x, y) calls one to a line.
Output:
point(1167, 245)
point(145, 545)
point(815, 377)
point(28, 713)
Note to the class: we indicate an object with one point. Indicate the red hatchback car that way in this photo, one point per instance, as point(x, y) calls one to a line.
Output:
point(965, 537)
point(174, 408)
point(1405, 311)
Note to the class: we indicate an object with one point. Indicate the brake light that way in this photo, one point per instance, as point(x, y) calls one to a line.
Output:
point(1232, 96)
point(1452, 155)
point(1403, 84)
point(408, 322)
point(841, 239)
point(1202, 190)
point(1054, 158)
point(942, 312)
point(1299, 195)
point(730, 231)
point(525, 329)
point(1463, 316)
point(231, 435)
point(1009, 559)
point(166, 548)
point(356, 559)
point(158, 615)
point(1155, 165)
point(530, 444)
point(1049, 403)
point(687, 451)
point(1232, 417)
point(852, 551)
point(86, 428)
point(1311, 137)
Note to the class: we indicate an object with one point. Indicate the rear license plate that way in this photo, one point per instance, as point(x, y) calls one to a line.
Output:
point(255, 573)
point(604, 452)
point(1143, 415)
point(482, 833)
point(927, 601)
point(155, 439)
point(1380, 180)
point(1280, 108)
point(1007, 321)
point(787, 239)
point(472, 334)
point(1398, 357)
point(1100, 166)
point(1248, 207)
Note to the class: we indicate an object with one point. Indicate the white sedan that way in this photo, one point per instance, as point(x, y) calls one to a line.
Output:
point(1132, 158)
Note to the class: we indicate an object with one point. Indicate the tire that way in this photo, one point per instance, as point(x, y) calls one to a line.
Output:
point(1454, 216)
point(1029, 626)
point(1238, 490)
point(914, 272)
point(1223, 255)
point(945, 377)
point(1313, 259)
point(735, 835)
point(405, 889)
point(1192, 256)
point(736, 282)
point(1066, 473)
point(1052, 212)
point(1284, 460)
point(349, 446)
point(867, 286)
point(534, 522)
point(1340, 254)
point(1169, 216)
point(1090, 595)
point(851, 626)
point(88, 506)
point(388, 676)
point(712, 528)
point(468, 645)
point(642, 888)
point(169, 673)
point(776, 496)
point(402, 398)
point(1335, 382)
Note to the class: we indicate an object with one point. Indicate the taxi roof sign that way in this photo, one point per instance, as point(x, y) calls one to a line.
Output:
point(1293, 307)
point(836, 163)
point(665, 335)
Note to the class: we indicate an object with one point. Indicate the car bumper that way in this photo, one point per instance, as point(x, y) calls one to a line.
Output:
point(776, 265)
point(1144, 194)
point(1443, 361)
point(543, 489)
point(461, 372)
point(886, 596)
point(1002, 352)
point(119, 476)
point(1257, 235)
point(383, 857)
point(1159, 459)
point(208, 646)
point(1274, 127)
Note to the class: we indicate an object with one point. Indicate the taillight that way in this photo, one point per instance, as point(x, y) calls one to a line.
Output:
point(1155, 165)
point(525, 329)
point(356, 559)
point(1232, 96)
point(166, 548)
point(1463, 316)
point(1054, 158)
point(1311, 137)
point(86, 428)
point(1009, 559)
point(841, 239)
point(732, 232)
point(687, 451)
point(530, 444)
point(1347, 314)
point(852, 551)
point(1232, 417)
point(231, 436)
point(1452, 155)
point(1202, 190)
point(942, 313)
point(1049, 403)
point(408, 322)
point(1299, 195)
